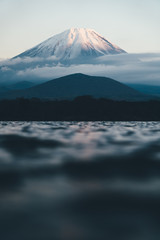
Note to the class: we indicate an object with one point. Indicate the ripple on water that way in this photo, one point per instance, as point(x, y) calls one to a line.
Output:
point(80, 180)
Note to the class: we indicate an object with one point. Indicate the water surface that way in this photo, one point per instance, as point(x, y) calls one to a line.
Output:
point(79, 181)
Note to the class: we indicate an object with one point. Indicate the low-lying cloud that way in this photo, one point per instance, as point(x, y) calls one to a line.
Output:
point(126, 68)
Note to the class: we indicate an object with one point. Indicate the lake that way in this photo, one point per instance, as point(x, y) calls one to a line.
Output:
point(79, 180)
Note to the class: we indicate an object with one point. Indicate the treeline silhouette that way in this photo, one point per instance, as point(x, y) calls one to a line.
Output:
point(83, 108)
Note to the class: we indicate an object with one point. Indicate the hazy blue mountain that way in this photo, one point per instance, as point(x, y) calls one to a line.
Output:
point(4, 89)
point(147, 89)
point(21, 85)
point(71, 86)
point(16, 86)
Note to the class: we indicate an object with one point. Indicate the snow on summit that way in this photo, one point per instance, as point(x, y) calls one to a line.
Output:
point(75, 44)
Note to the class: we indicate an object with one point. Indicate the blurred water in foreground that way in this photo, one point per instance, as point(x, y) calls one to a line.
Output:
point(79, 181)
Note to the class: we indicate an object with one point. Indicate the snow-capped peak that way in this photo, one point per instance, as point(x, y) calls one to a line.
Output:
point(74, 44)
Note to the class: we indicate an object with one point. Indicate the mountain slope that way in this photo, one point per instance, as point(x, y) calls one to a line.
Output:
point(74, 44)
point(146, 89)
point(72, 86)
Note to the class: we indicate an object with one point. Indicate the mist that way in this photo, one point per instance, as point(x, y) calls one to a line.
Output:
point(126, 68)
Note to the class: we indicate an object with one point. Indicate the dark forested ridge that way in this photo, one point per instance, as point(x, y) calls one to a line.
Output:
point(80, 109)
point(75, 85)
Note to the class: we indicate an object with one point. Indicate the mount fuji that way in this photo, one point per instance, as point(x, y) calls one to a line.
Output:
point(76, 45)
point(63, 54)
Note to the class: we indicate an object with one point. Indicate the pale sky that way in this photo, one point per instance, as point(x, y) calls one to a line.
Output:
point(132, 25)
